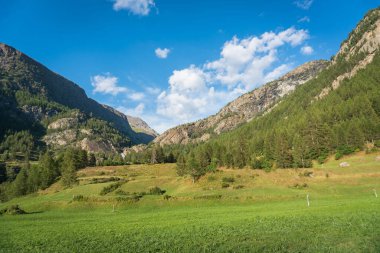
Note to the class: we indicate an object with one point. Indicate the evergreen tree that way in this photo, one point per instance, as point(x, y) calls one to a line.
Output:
point(3, 172)
point(68, 170)
point(20, 183)
point(193, 168)
point(181, 165)
point(48, 169)
point(33, 179)
point(82, 159)
point(92, 160)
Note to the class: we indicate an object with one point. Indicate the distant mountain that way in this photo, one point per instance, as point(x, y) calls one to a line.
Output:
point(138, 125)
point(244, 108)
point(56, 110)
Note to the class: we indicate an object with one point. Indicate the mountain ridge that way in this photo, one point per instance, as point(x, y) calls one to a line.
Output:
point(243, 108)
point(37, 94)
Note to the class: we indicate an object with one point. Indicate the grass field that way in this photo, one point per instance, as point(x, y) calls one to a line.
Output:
point(257, 212)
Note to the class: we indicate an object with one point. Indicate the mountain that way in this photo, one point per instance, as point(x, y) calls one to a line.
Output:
point(335, 113)
point(138, 125)
point(244, 108)
point(56, 110)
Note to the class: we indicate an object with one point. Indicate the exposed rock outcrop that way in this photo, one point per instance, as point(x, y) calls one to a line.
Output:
point(243, 108)
point(364, 39)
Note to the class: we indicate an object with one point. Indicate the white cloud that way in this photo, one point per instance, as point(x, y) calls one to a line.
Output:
point(305, 19)
point(153, 90)
point(137, 7)
point(245, 61)
point(136, 96)
point(304, 4)
point(162, 53)
point(196, 92)
point(307, 50)
point(106, 84)
point(136, 112)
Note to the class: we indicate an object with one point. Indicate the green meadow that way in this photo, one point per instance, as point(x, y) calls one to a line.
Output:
point(231, 210)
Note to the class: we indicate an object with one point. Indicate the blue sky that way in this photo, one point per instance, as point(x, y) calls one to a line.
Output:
point(175, 61)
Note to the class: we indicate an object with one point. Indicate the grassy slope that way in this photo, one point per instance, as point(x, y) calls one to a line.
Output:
point(266, 215)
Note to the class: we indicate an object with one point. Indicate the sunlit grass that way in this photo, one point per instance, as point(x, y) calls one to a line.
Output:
point(267, 214)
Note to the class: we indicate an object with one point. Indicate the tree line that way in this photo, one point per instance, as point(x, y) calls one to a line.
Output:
point(33, 176)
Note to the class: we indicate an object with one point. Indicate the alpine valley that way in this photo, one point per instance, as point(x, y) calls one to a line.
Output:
point(291, 166)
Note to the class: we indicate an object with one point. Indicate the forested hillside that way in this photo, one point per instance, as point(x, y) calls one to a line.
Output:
point(338, 112)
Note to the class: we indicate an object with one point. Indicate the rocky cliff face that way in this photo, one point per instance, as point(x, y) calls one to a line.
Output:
point(242, 109)
point(365, 40)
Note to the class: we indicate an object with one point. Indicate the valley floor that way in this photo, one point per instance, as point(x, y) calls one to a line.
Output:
point(257, 212)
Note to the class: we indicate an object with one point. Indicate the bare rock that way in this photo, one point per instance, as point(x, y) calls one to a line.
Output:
point(63, 123)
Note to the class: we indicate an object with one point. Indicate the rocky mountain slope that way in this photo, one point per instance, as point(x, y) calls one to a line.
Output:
point(243, 108)
point(57, 110)
point(336, 113)
point(138, 125)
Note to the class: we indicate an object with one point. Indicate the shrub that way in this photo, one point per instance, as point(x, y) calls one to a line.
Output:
point(104, 180)
point(238, 187)
point(3, 211)
point(131, 199)
point(322, 158)
point(156, 191)
point(12, 210)
point(228, 180)
point(120, 192)
point(225, 185)
point(300, 186)
point(79, 198)
point(218, 196)
point(110, 188)
point(338, 155)
point(306, 174)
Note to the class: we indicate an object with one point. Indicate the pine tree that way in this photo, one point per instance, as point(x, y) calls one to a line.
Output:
point(181, 165)
point(82, 159)
point(92, 160)
point(33, 181)
point(68, 170)
point(48, 169)
point(193, 167)
point(20, 183)
point(3, 172)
